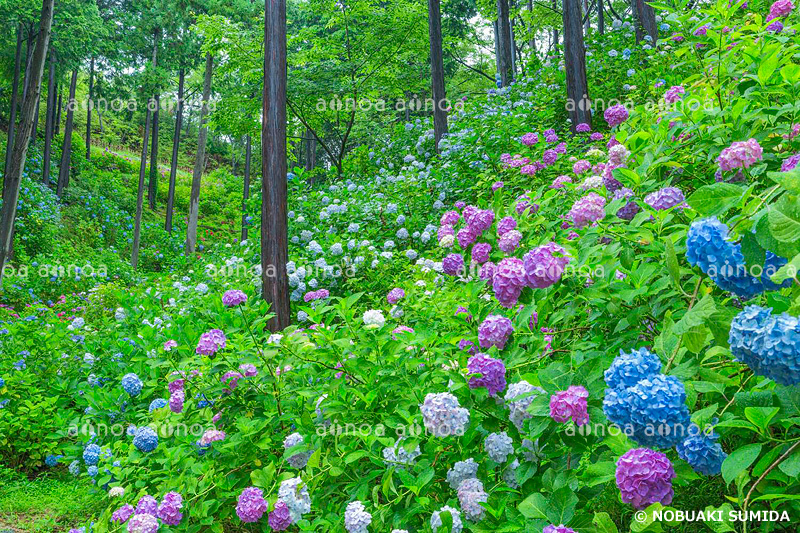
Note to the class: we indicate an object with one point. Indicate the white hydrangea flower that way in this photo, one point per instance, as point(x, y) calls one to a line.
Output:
point(374, 319)
point(436, 520)
point(460, 471)
point(294, 494)
point(499, 446)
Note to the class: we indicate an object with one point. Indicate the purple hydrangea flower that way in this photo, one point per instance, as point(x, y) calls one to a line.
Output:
point(616, 115)
point(644, 477)
point(495, 331)
point(509, 241)
point(570, 403)
point(453, 264)
point(481, 220)
point(480, 252)
point(583, 127)
point(587, 210)
point(251, 505)
point(233, 297)
point(211, 342)
point(742, 154)
point(790, 163)
point(466, 236)
point(529, 139)
point(122, 514)
point(395, 295)
point(674, 94)
point(629, 210)
point(449, 218)
point(492, 371)
point(665, 198)
point(508, 280)
point(544, 265)
point(143, 523)
point(280, 518)
point(147, 504)
point(487, 271)
point(557, 529)
point(505, 225)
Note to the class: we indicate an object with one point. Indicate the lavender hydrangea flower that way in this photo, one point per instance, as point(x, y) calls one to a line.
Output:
point(453, 264)
point(505, 225)
point(147, 505)
point(587, 210)
point(211, 342)
point(233, 297)
point(176, 400)
point(570, 403)
point(615, 115)
point(395, 295)
point(741, 154)
point(480, 221)
point(498, 447)
point(470, 497)
point(495, 330)
point(280, 519)
point(143, 523)
point(398, 456)
point(508, 281)
point(122, 514)
point(466, 236)
point(298, 460)
point(509, 241)
point(169, 509)
point(480, 252)
point(644, 477)
point(449, 218)
point(436, 519)
point(251, 505)
point(518, 398)
point(557, 529)
point(295, 494)
point(544, 265)
point(665, 198)
point(356, 518)
point(443, 416)
point(492, 371)
point(487, 271)
point(460, 471)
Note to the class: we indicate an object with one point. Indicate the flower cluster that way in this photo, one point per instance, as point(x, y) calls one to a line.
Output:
point(769, 344)
point(492, 373)
point(443, 415)
point(702, 451)
point(587, 210)
point(356, 518)
point(495, 330)
point(233, 297)
point(570, 403)
point(742, 154)
point(470, 497)
point(211, 342)
point(645, 476)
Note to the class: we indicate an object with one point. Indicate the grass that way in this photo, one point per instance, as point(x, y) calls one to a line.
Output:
point(53, 502)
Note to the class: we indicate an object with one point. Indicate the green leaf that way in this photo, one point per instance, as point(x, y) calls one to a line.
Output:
point(597, 473)
point(761, 416)
point(723, 525)
point(784, 220)
point(695, 316)
point(262, 477)
point(791, 465)
point(603, 523)
point(561, 507)
point(753, 253)
point(766, 68)
point(672, 263)
point(738, 461)
point(533, 506)
point(788, 180)
point(715, 199)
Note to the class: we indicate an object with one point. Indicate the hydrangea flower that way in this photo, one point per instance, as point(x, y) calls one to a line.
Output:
point(356, 518)
point(374, 319)
point(143, 523)
point(398, 456)
point(628, 369)
point(495, 330)
point(132, 384)
point(629, 210)
point(460, 471)
point(294, 493)
point(233, 297)
point(147, 505)
point(557, 529)
point(211, 342)
point(443, 416)
point(498, 446)
point(529, 139)
point(570, 403)
point(665, 198)
point(702, 451)
point(518, 398)
point(470, 497)
point(436, 519)
point(674, 94)
point(644, 477)
point(158, 403)
point(480, 252)
point(251, 505)
point(395, 295)
point(587, 210)
point(91, 454)
point(769, 344)
point(122, 514)
point(508, 280)
point(169, 509)
point(145, 439)
point(544, 265)
point(298, 460)
point(509, 241)
point(280, 518)
point(492, 373)
point(615, 115)
point(505, 225)
point(742, 154)
point(453, 264)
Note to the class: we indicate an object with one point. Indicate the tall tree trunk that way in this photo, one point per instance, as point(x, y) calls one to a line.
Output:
point(601, 21)
point(311, 148)
point(14, 102)
point(66, 151)
point(89, 106)
point(586, 21)
point(274, 230)
point(504, 42)
point(578, 103)
point(437, 71)
point(35, 121)
point(28, 59)
point(513, 45)
point(59, 89)
point(152, 187)
point(8, 211)
point(498, 65)
point(137, 228)
point(645, 20)
point(246, 194)
point(199, 162)
point(555, 30)
point(176, 142)
point(531, 32)
point(50, 116)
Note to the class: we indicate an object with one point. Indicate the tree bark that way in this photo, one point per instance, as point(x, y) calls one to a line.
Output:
point(89, 106)
point(49, 119)
point(555, 29)
point(575, 65)
point(601, 21)
point(246, 194)
point(28, 59)
point(532, 34)
point(152, 188)
point(645, 20)
point(34, 131)
point(14, 103)
point(437, 71)
point(137, 229)
point(199, 162)
point(274, 231)
point(66, 151)
point(176, 141)
point(311, 149)
point(504, 43)
point(19, 152)
point(57, 130)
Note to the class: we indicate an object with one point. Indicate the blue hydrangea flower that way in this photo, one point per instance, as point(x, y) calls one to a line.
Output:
point(52, 460)
point(768, 344)
point(145, 439)
point(158, 403)
point(702, 452)
point(132, 384)
point(629, 368)
point(707, 247)
point(652, 411)
point(92, 471)
point(91, 454)
point(75, 467)
point(2, 383)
